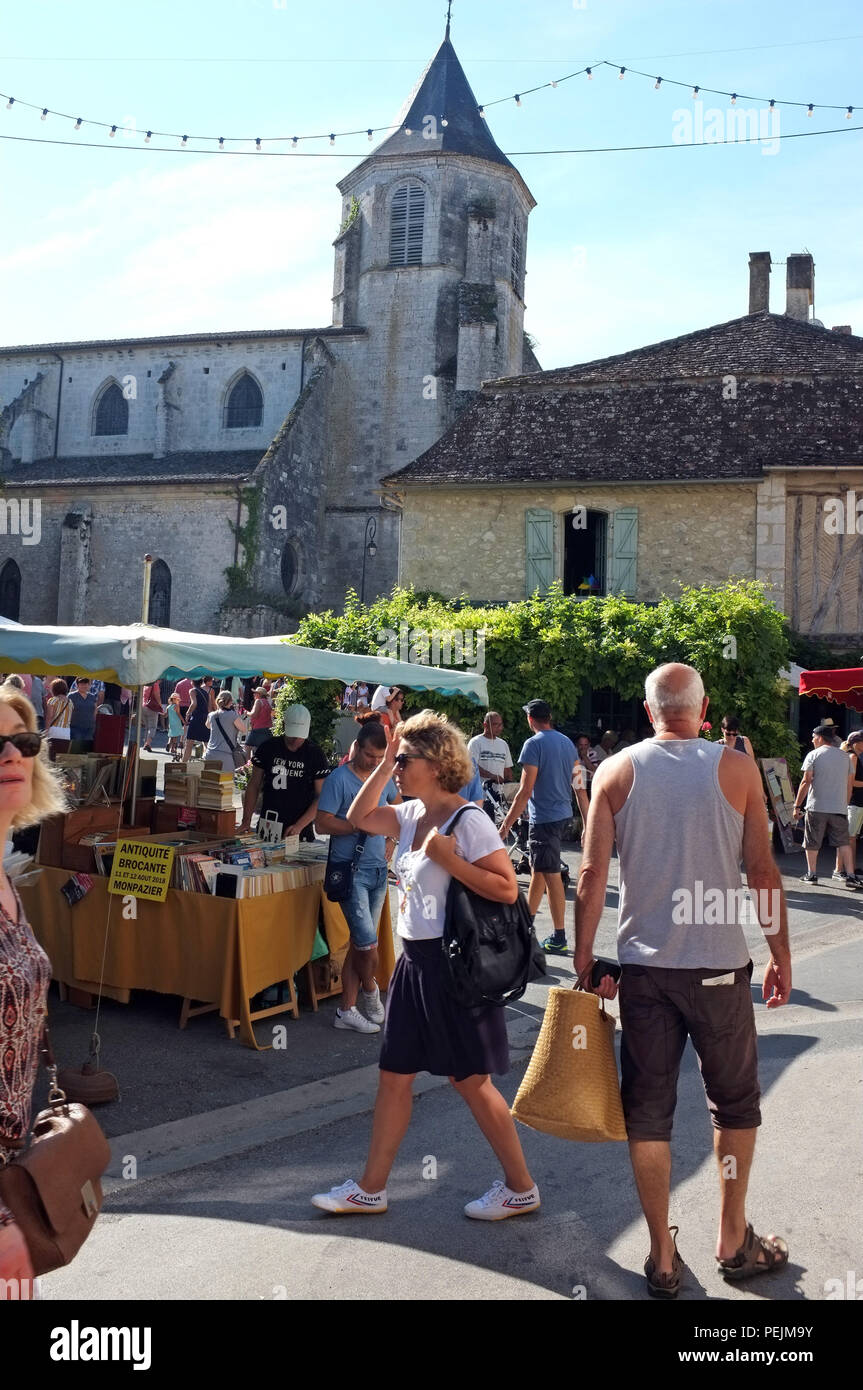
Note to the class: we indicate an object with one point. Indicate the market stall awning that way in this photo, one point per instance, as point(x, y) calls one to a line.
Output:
point(844, 687)
point(139, 653)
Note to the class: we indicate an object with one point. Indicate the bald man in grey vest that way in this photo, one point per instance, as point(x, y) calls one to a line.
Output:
point(684, 812)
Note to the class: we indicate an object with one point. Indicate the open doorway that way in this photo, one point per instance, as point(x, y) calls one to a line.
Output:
point(584, 552)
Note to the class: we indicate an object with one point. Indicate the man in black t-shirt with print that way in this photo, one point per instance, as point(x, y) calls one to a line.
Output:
point(291, 769)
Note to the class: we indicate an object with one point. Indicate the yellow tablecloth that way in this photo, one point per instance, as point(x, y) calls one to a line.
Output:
point(218, 950)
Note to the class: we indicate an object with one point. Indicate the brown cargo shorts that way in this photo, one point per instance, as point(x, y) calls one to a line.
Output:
point(659, 1010)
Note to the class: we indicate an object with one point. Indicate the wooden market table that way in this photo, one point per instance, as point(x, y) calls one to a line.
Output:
point(223, 951)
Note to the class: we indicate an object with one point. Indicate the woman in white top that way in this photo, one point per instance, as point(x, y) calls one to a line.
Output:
point(425, 1029)
point(225, 727)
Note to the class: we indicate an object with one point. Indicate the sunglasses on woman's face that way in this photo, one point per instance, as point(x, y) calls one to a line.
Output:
point(401, 760)
point(27, 744)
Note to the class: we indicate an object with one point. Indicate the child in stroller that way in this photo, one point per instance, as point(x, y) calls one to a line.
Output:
point(515, 843)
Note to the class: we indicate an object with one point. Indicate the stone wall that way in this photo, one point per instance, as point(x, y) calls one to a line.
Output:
point(474, 541)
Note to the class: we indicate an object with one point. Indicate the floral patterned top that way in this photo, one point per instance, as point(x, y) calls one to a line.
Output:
point(25, 974)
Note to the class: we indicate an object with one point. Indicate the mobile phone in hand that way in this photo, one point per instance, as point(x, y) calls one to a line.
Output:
point(601, 969)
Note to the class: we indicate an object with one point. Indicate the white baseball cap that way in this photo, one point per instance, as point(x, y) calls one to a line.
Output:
point(297, 722)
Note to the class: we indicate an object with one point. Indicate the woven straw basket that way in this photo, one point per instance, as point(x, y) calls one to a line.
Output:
point(571, 1088)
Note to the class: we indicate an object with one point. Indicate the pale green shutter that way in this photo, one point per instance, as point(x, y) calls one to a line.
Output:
point(539, 550)
point(624, 552)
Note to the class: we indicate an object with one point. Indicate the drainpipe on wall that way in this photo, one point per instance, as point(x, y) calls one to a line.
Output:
point(237, 527)
point(58, 358)
point(302, 365)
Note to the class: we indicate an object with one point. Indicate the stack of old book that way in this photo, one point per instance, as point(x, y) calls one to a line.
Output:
point(216, 790)
point(181, 783)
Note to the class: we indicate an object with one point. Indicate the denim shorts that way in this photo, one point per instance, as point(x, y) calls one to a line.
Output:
point(363, 908)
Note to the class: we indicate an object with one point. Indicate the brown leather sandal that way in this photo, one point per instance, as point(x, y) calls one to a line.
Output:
point(746, 1263)
point(664, 1285)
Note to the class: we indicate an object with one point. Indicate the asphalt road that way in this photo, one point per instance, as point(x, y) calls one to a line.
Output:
point(217, 1150)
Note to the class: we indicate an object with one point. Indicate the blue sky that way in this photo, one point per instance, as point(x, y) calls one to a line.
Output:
point(624, 249)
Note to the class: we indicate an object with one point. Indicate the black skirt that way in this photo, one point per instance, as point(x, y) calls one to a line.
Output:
point(426, 1030)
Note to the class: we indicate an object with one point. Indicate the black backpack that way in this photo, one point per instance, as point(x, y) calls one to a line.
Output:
point(490, 951)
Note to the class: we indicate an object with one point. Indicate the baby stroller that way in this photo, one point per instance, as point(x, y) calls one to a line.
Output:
point(515, 842)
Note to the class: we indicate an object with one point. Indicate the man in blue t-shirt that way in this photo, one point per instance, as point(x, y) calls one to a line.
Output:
point(363, 907)
point(547, 762)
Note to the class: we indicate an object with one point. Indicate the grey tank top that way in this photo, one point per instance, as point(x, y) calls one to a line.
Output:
point(680, 844)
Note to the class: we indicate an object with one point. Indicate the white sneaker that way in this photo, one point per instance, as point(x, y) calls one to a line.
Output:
point(354, 1020)
point(372, 1005)
point(500, 1202)
point(349, 1198)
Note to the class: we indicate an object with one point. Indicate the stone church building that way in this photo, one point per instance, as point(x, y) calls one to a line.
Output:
point(249, 463)
point(731, 451)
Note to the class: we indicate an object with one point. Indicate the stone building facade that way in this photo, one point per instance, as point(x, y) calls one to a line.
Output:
point(733, 451)
point(249, 463)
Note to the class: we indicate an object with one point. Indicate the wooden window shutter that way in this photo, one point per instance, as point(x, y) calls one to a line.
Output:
point(624, 554)
point(406, 225)
point(539, 550)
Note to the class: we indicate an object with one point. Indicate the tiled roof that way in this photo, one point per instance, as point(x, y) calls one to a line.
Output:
point(754, 344)
point(723, 403)
point(175, 339)
point(224, 466)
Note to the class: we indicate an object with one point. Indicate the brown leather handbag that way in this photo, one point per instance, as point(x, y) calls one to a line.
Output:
point(51, 1186)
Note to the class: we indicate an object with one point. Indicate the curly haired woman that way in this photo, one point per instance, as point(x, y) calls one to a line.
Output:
point(425, 1029)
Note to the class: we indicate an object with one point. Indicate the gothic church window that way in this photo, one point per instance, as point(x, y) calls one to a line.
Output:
point(112, 412)
point(245, 405)
point(517, 262)
point(10, 591)
point(406, 225)
point(160, 595)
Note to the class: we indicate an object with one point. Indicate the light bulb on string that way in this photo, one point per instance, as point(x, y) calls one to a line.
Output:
point(332, 139)
point(112, 132)
point(811, 110)
point(258, 146)
point(554, 84)
point(772, 103)
point(294, 142)
point(657, 84)
point(408, 131)
point(481, 112)
point(44, 115)
point(185, 140)
point(147, 137)
point(10, 103)
point(517, 99)
point(589, 74)
point(621, 74)
point(444, 121)
point(849, 113)
point(733, 98)
point(695, 91)
point(78, 123)
point(222, 143)
point(368, 133)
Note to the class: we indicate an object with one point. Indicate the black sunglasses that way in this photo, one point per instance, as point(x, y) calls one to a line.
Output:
point(27, 744)
point(402, 759)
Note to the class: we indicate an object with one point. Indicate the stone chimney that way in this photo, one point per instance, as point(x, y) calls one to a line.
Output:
point(799, 286)
point(759, 282)
point(842, 328)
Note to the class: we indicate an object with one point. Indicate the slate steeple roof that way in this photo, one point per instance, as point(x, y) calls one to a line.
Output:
point(443, 92)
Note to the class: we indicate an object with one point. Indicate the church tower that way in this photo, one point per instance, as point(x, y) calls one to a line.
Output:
point(430, 264)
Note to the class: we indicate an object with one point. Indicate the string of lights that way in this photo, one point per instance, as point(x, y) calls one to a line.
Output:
point(221, 143)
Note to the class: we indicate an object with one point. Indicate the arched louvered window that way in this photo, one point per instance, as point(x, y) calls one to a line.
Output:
point(406, 225)
point(517, 263)
point(160, 595)
point(245, 405)
point(112, 412)
point(10, 591)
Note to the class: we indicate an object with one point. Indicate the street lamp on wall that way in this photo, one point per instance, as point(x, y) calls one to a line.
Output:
point(370, 549)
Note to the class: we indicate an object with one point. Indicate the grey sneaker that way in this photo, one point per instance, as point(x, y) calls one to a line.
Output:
point(353, 1020)
point(372, 1006)
point(839, 873)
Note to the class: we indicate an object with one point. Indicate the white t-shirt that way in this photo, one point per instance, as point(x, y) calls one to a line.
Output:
point(490, 754)
point(423, 885)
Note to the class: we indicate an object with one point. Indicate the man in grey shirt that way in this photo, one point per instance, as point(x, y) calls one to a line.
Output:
point(684, 812)
point(828, 778)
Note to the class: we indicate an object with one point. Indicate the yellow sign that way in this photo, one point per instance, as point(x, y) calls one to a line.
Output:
point(141, 869)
